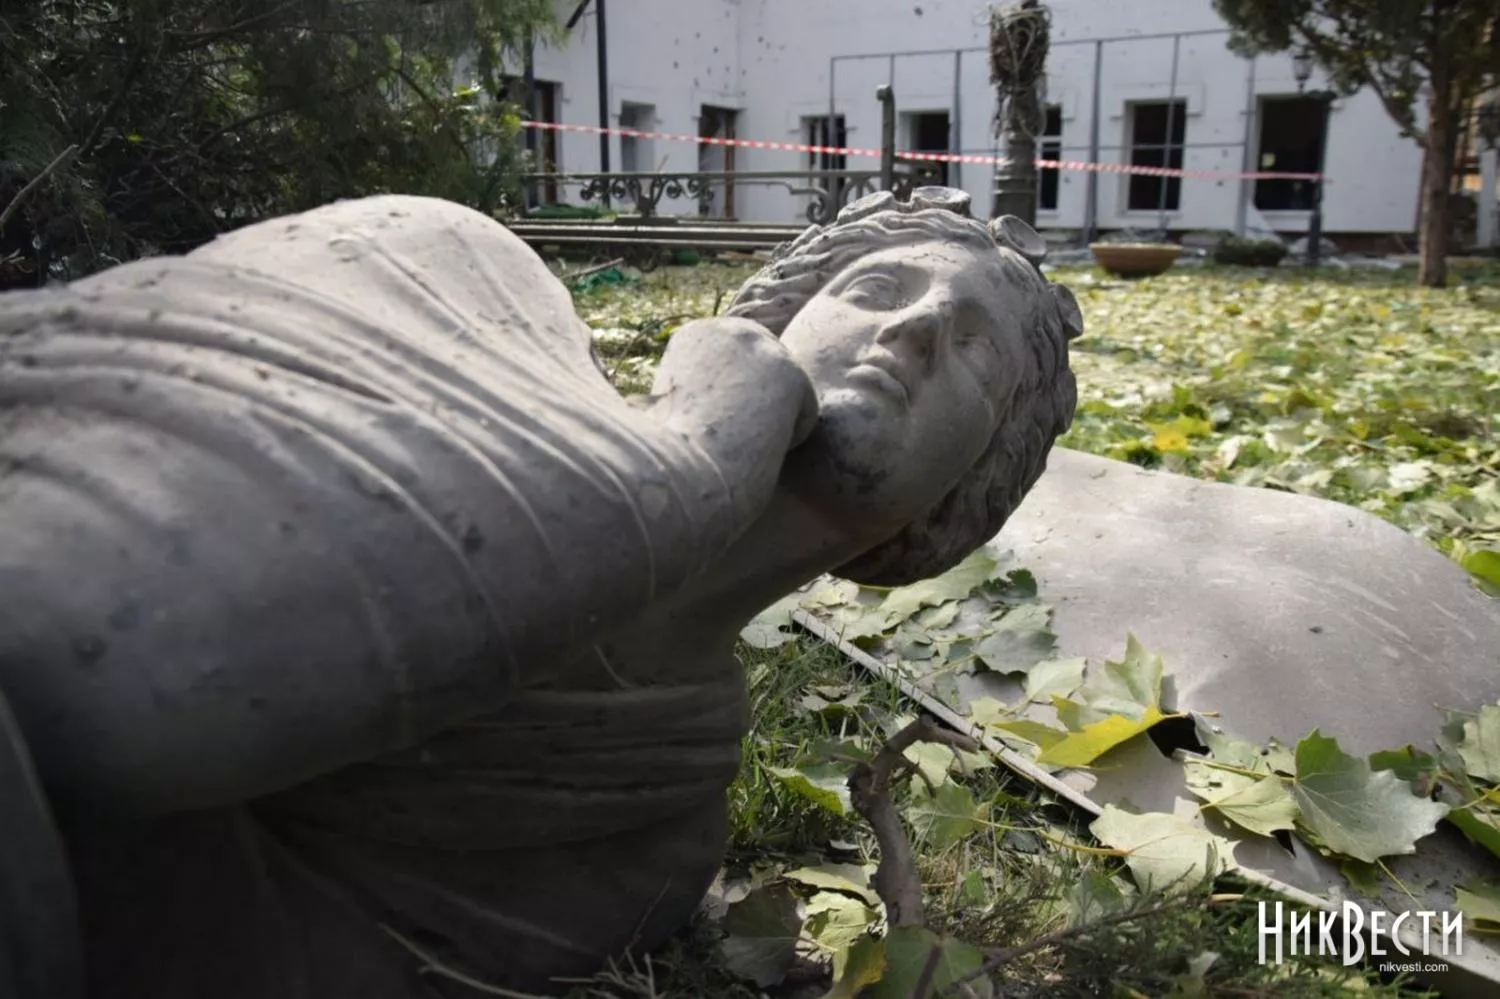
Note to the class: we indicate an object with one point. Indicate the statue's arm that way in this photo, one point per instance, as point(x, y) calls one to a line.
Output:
point(728, 385)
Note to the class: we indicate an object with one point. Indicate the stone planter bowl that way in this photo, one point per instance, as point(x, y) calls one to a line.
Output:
point(1135, 259)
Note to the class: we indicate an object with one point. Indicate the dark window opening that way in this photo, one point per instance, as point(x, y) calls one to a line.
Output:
point(1158, 130)
point(717, 199)
point(1291, 141)
point(541, 105)
point(816, 132)
point(929, 132)
point(1049, 179)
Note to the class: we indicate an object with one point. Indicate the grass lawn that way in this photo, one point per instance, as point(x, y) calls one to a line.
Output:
point(1355, 386)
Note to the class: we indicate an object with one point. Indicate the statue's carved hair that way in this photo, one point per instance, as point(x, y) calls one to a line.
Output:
point(1030, 419)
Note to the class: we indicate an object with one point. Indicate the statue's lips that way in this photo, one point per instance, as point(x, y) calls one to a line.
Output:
point(884, 372)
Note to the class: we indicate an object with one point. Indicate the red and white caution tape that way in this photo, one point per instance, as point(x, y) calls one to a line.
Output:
point(800, 147)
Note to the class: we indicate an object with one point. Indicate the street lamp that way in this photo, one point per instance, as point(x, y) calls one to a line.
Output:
point(1302, 67)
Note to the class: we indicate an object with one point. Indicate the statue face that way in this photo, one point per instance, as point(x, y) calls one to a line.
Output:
point(913, 351)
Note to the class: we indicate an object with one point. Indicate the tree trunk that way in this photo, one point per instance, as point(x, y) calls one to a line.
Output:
point(1437, 179)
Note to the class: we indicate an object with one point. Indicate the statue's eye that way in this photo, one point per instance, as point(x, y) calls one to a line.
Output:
point(874, 291)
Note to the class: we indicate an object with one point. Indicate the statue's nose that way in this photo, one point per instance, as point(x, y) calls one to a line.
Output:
point(915, 336)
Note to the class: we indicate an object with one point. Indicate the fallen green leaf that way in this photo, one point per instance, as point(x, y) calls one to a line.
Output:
point(1020, 639)
point(851, 879)
point(955, 584)
point(1058, 677)
point(1258, 804)
point(943, 819)
point(824, 784)
point(1480, 748)
point(1164, 852)
point(761, 935)
point(1479, 901)
point(857, 969)
point(1353, 810)
point(907, 949)
point(835, 922)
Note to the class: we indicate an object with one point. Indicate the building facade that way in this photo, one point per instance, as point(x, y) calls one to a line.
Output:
point(1148, 82)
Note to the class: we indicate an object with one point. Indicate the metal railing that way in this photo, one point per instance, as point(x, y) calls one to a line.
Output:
point(827, 191)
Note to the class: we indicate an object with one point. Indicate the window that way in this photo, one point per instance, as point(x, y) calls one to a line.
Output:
point(816, 132)
point(1158, 130)
point(1049, 148)
point(637, 153)
point(541, 105)
point(1291, 141)
point(717, 123)
point(928, 132)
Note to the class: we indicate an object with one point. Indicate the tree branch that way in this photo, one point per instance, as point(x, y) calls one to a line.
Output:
point(187, 41)
point(34, 183)
point(1330, 52)
point(433, 106)
point(137, 61)
point(896, 880)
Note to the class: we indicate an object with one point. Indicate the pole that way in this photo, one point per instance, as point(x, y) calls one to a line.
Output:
point(955, 126)
point(887, 99)
point(1315, 222)
point(1247, 186)
point(1091, 208)
point(832, 68)
point(1161, 206)
point(1015, 176)
point(528, 84)
point(603, 96)
point(1489, 208)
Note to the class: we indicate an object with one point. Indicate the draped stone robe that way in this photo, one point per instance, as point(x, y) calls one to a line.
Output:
point(296, 533)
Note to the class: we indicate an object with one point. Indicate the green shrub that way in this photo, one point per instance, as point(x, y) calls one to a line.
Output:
point(1238, 251)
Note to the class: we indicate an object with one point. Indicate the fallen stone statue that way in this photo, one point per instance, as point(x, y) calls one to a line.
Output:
point(352, 623)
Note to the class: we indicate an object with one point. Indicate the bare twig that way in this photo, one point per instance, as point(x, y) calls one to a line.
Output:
point(431, 965)
point(34, 183)
point(896, 880)
point(596, 269)
point(996, 959)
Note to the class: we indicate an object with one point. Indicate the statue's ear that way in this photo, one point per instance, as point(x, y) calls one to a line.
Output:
point(1015, 234)
point(1068, 310)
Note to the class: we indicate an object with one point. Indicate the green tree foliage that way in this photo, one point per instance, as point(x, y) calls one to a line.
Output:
point(188, 118)
point(1427, 60)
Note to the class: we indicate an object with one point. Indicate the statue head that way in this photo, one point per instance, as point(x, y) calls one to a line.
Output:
point(939, 354)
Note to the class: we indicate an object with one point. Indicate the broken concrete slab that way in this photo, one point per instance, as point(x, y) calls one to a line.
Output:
point(1283, 612)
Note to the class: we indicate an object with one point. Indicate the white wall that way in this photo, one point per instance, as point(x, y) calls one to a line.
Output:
point(771, 58)
point(673, 55)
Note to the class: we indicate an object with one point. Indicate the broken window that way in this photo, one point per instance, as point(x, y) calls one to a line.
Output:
point(1158, 130)
point(1291, 141)
point(1050, 148)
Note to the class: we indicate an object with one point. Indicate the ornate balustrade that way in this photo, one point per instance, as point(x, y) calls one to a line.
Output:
point(827, 191)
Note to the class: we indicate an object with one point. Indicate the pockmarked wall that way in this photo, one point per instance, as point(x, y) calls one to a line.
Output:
point(780, 63)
